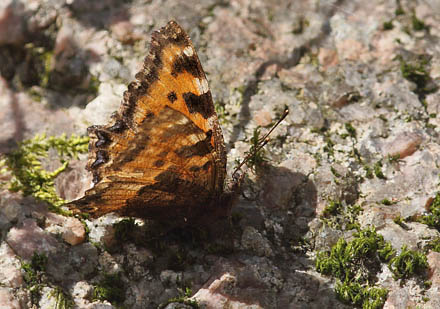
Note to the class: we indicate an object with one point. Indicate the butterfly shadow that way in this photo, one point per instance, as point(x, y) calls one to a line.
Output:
point(280, 203)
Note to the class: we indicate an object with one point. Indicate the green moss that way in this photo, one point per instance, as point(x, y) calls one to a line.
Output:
point(221, 112)
point(387, 202)
point(300, 25)
point(124, 229)
point(332, 209)
point(417, 24)
point(386, 251)
point(62, 301)
point(334, 172)
point(86, 229)
point(366, 297)
point(46, 59)
point(25, 165)
point(179, 259)
point(378, 170)
point(32, 275)
point(256, 153)
point(427, 285)
point(110, 288)
point(241, 90)
point(399, 221)
point(355, 265)
point(39, 64)
point(350, 129)
point(394, 159)
point(388, 25)
point(431, 126)
point(408, 263)
point(433, 245)
point(31, 270)
point(417, 72)
point(183, 298)
point(328, 148)
point(432, 219)
point(368, 171)
point(383, 118)
point(341, 216)
point(35, 94)
point(93, 85)
point(399, 11)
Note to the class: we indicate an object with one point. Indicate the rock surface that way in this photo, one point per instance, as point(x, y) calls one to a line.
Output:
point(361, 81)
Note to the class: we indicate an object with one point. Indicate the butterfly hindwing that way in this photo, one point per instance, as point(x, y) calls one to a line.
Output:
point(163, 151)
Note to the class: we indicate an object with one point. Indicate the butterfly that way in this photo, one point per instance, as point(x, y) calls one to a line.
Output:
point(162, 155)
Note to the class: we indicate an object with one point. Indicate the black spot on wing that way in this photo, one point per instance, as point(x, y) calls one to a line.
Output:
point(101, 158)
point(201, 104)
point(103, 139)
point(159, 163)
point(147, 117)
point(118, 127)
point(172, 96)
point(183, 63)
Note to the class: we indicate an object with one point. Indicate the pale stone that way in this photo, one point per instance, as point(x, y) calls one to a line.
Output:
point(403, 145)
point(74, 232)
point(214, 296)
point(30, 238)
point(10, 274)
point(7, 300)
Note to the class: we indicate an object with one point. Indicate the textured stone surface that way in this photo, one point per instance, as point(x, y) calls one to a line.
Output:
point(64, 65)
point(29, 238)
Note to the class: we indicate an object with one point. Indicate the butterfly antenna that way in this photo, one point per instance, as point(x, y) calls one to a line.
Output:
point(261, 143)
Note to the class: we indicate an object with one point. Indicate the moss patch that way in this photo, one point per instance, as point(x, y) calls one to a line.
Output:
point(432, 219)
point(110, 288)
point(62, 301)
point(388, 25)
point(25, 165)
point(378, 170)
point(355, 265)
point(417, 71)
point(183, 298)
point(124, 229)
point(433, 245)
point(255, 157)
point(33, 273)
point(408, 263)
point(341, 216)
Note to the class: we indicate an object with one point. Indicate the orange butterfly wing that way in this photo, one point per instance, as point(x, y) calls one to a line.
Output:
point(162, 155)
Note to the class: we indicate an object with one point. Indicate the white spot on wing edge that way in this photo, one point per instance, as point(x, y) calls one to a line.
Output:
point(202, 85)
point(188, 51)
